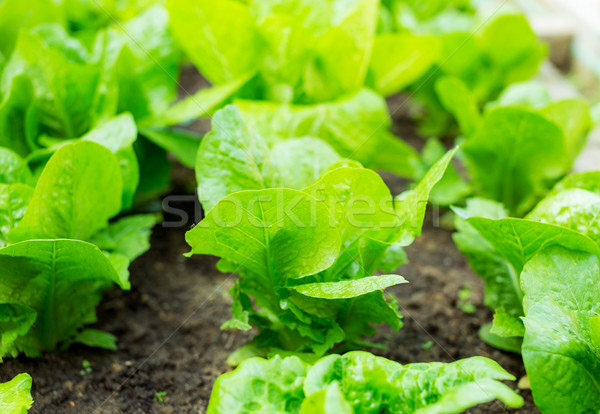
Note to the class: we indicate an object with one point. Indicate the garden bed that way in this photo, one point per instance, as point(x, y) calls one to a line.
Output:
point(168, 324)
point(169, 337)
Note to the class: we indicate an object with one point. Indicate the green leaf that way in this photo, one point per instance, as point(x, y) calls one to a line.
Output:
point(15, 395)
point(359, 382)
point(118, 135)
point(141, 56)
point(324, 54)
point(498, 249)
point(259, 230)
point(130, 175)
point(399, 59)
point(506, 324)
point(368, 310)
point(231, 158)
point(78, 191)
point(518, 240)
point(15, 321)
point(200, 104)
point(573, 116)
point(297, 163)
point(18, 115)
point(361, 213)
point(62, 281)
point(458, 100)
point(451, 188)
point(128, 236)
point(530, 94)
point(14, 199)
point(227, 47)
point(234, 158)
point(392, 258)
point(120, 263)
point(14, 168)
point(154, 170)
point(413, 203)
point(66, 87)
point(502, 286)
point(595, 329)
point(359, 199)
point(575, 209)
point(486, 57)
point(330, 400)
point(589, 181)
point(16, 16)
point(510, 43)
point(97, 339)
point(260, 386)
point(362, 209)
point(366, 139)
point(346, 289)
point(562, 292)
point(370, 222)
point(338, 35)
point(181, 143)
point(421, 388)
point(241, 315)
point(505, 343)
point(504, 158)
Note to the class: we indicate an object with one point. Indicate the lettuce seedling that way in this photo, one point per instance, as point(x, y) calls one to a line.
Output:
point(359, 382)
point(420, 44)
point(63, 83)
point(306, 256)
point(316, 70)
point(501, 147)
point(15, 395)
point(498, 247)
point(53, 276)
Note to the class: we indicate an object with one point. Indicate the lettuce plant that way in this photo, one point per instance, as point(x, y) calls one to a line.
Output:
point(498, 247)
point(59, 85)
point(82, 19)
point(542, 279)
point(58, 250)
point(15, 395)
point(420, 44)
point(306, 256)
point(501, 146)
point(309, 81)
point(359, 382)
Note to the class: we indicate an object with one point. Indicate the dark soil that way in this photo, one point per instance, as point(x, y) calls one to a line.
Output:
point(169, 337)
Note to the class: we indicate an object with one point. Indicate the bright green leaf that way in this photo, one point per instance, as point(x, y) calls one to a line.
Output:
point(505, 161)
point(78, 191)
point(62, 281)
point(399, 59)
point(14, 168)
point(15, 395)
point(14, 199)
point(259, 230)
point(346, 289)
point(562, 292)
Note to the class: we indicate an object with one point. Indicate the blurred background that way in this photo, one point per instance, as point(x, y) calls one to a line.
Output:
point(572, 30)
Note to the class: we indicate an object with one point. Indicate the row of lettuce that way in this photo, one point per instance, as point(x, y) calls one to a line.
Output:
point(88, 115)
